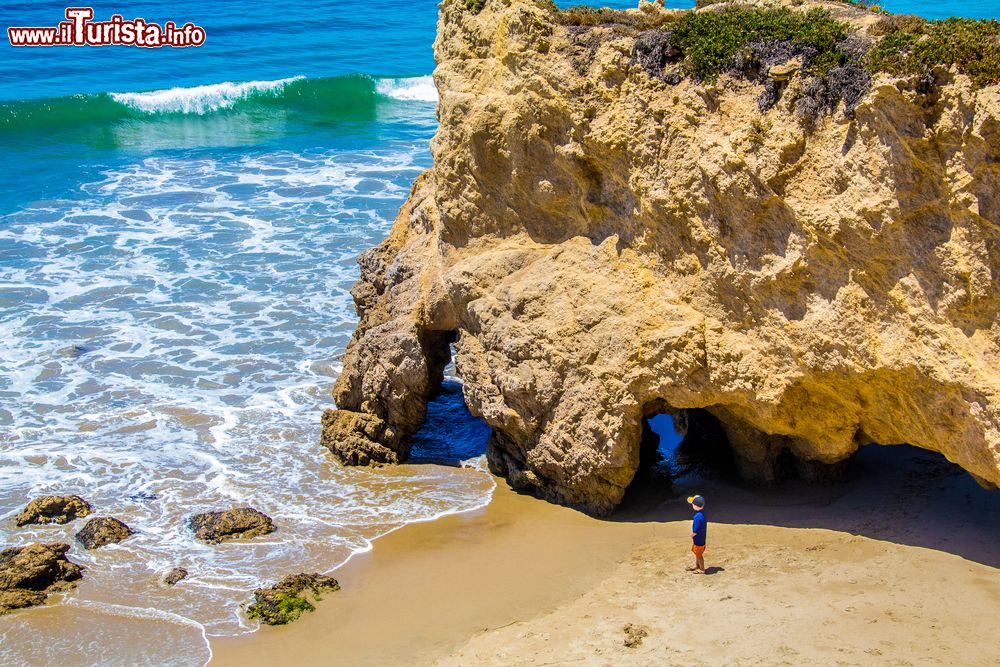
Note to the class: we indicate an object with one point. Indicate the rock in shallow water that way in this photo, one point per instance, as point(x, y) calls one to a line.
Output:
point(28, 574)
point(175, 575)
point(236, 523)
point(53, 509)
point(102, 531)
point(284, 602)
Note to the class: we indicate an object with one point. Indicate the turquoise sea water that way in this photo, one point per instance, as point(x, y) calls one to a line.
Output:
point(178, 231)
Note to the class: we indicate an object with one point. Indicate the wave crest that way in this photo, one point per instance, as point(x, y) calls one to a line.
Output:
point(414, 89)
point(349, 97)
point(200, 99)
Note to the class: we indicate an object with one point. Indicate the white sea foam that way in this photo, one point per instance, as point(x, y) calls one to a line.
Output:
point(173, 354)
point(84, 636)
point(418, 88)
point(199, 99)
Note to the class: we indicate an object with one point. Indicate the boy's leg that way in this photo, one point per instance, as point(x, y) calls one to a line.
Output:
point(695, 566)
point(699, 558)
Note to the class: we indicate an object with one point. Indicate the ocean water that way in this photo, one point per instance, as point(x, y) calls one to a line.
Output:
point(178, 233)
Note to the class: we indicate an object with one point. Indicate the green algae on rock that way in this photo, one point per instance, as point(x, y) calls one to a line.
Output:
point(284, 602)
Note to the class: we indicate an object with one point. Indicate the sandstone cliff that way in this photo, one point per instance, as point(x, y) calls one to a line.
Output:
point(601, 245)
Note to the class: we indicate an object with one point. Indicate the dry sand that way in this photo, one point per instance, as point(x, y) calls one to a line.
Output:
point(898, 566)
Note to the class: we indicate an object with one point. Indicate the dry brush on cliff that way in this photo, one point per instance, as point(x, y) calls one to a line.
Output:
point(600, 242)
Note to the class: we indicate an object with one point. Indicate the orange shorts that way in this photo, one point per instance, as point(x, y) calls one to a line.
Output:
point(697, 551)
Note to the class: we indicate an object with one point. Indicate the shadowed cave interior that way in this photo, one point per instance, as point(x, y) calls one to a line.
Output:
point(899, 493)
point(675, 444)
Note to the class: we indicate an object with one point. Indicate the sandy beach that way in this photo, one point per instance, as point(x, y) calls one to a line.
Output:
point(897, 566)
point(426, 588)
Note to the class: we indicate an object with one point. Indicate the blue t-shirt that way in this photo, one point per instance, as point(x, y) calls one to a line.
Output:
point(700, 528)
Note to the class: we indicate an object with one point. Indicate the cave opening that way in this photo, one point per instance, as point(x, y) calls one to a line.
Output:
point(704, 446)
point(450, 434)
point(691, 441)
point(438, 347)
point(676, 443)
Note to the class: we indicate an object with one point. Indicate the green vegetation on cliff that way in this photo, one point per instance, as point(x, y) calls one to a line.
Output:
point(645, 19)
point(732, 39)
point(709, 41)
point(911, 45)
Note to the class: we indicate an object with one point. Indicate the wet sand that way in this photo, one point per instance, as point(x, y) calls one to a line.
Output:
point(900, 565)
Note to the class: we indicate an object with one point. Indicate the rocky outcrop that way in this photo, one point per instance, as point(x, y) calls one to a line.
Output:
point(28, 574)
point(233, 524)
point(53, 509)
point(101, 531)
point(600, 245)
point(174, 576)
point(286, 601)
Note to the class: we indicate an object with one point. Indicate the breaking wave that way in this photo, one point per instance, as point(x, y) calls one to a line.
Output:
point(350, 97)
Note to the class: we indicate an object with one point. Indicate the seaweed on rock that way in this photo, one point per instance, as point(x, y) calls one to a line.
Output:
point(284, 602)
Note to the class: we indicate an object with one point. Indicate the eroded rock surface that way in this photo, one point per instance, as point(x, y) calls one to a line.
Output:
point(602, 245)
point(101, 531)
point(53, 509)
point(286, 601)
point(232, 524)
point(28, 574)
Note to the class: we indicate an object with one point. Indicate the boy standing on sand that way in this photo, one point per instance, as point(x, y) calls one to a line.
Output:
point(699, 533)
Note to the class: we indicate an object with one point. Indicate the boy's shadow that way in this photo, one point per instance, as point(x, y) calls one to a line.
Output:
point(714, 569)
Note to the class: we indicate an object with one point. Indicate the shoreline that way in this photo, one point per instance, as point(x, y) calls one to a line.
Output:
point(898, 563)
point(444, 566)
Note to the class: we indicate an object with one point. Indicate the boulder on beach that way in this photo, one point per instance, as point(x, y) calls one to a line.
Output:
point(101, 531)
point(175, 575)
point(232, 524)
point(284, 602)
point(53, 509)
point(28, 574)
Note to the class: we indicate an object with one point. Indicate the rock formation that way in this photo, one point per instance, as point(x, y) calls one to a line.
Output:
point(285, 601)
point(53, 509)
point(236, 523)
point(600, 245)
point(101, 531)
point(28, 574)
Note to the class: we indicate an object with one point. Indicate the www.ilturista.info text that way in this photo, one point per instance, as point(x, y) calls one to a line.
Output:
point(79, 29)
